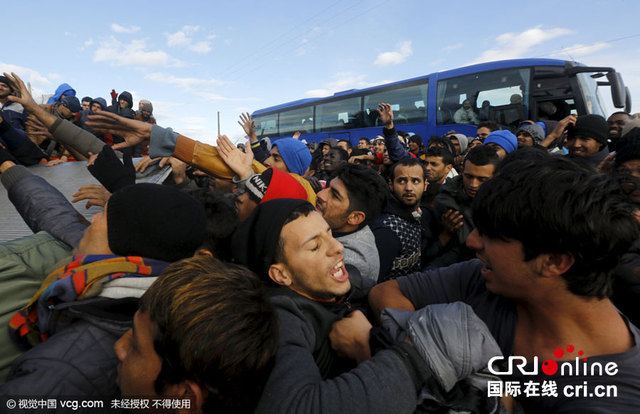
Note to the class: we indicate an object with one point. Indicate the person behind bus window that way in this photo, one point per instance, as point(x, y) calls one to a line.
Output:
point(465, 114)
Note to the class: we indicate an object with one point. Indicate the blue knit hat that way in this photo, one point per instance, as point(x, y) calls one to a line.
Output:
point(504, 138)
point(295, 154)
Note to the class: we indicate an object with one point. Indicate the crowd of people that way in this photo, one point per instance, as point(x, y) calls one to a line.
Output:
point(283, 276)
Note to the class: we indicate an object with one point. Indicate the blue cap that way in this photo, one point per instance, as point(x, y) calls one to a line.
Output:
point(71, 103)
point(295, 154)
point(504, 138)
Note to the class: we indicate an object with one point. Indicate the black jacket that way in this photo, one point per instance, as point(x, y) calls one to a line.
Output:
point(78, 360)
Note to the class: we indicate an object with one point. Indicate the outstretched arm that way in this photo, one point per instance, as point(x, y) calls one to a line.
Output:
point(40, 204)
point(63, 131)
point(394, 148)
point(133, 131)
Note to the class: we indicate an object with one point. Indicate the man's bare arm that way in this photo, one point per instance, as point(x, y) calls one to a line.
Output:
point(388, 295)
point(133, 131)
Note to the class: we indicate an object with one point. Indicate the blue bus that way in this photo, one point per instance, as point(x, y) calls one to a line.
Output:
point(507, 92)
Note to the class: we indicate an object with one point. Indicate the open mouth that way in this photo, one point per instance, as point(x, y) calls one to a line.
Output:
point(486, 270)
point(339, 272)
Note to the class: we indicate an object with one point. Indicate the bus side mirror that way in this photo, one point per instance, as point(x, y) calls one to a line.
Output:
point(627, 103)
point(618, 92)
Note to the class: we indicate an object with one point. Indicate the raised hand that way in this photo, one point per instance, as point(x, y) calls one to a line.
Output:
point(240, 162)
point(386, 115)
point(248, 126)
point(22, 96)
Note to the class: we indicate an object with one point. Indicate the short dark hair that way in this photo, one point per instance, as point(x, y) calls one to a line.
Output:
point(302, 210)
point(216, 328)
point(364, 138)
point(349, 146)
point(367, 190)
point(407, 162)
point(445, 154)
point(222, 220)
point(483, 155)
point(619, 113)
point(87, 99)
point(582, 214)
point(416, 139)
point(442, 142)
point(526, 153)
point(344, 155)
point(492, 125)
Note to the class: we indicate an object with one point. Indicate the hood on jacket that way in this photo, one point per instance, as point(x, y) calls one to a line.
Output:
point(127, 97)
point(64, 89)
point(100, 101)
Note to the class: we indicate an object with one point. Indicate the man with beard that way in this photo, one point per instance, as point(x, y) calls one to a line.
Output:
point(398, 229)
point(353, 197)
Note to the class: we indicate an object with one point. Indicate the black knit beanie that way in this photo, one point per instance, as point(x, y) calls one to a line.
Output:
point(255, 241)
point(591, 126)
point(155, 221)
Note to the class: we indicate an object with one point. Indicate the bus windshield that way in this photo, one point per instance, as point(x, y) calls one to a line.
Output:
point(590, 94)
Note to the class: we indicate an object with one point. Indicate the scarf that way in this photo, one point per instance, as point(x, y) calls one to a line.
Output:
point(82, 278)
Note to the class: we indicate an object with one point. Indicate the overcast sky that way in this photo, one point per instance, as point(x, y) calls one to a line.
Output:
point(195, 58)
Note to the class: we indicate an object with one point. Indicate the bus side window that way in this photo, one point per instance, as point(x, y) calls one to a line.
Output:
point(449, 107)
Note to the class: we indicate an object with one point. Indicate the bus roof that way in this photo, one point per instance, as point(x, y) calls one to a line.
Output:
point(465, 70)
